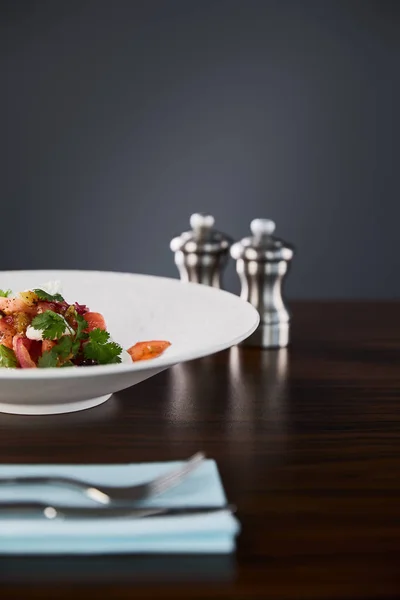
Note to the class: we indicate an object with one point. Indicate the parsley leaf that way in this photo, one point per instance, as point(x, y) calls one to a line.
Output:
point(67, 347)
point(82, 324)
point(5, 294)
point(99, 336)
point(48, 359)
point(64, 347)
point(42, 295)
point(51, 324)
point(58, 354)
point(7, 357)
point(76, 345)
point(99, 349)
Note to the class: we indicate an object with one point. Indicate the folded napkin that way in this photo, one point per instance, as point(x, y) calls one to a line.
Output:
point(206, 533)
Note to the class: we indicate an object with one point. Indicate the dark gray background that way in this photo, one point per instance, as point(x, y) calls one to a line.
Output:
point(120, 118)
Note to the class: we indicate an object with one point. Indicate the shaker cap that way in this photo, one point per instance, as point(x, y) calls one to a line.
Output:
point(262, 246)
point(202, 238)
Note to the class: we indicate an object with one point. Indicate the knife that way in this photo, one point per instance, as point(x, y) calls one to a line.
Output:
point(51, 512)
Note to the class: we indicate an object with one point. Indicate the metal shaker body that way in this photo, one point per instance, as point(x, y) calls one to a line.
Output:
point(262, 263)
point(201, 254)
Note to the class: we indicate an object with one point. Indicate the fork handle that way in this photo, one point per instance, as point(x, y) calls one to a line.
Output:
point(43, 480)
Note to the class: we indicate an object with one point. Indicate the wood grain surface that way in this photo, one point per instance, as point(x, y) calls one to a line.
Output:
point(307, 443)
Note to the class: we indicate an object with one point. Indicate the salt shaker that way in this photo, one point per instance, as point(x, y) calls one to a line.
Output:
point(262, 262)
point(201, 254)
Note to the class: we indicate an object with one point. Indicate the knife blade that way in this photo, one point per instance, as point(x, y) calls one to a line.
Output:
point(51, 512)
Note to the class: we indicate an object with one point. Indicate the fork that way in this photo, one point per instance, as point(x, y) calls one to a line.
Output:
point(106, 494)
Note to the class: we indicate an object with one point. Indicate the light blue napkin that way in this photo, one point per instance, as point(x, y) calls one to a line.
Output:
point(206, 533)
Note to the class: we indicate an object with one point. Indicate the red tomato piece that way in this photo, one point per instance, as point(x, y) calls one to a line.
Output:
point(95, 321)
point(47, 345)
point(11, 305)
point(148, 350)
point(6, 333)
point(43, 306)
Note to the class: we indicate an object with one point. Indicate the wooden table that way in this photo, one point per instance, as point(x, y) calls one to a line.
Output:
point(307, 442)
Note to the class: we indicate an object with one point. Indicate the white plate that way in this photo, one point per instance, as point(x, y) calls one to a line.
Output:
point(198, 320)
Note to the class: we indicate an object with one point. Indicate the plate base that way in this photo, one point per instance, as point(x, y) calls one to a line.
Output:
point(55, 409)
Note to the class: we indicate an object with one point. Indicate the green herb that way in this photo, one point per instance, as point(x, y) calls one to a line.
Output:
point(5, 294)
point(64, 347)
point(51, 324)
point(76, 345)
point(96, 344)
point(82, 324)
point(59, 353)
point(100, 349)
point(48, 359)
point(99, 336)
point(7, 357)
point(68, 346)
point(42, 295)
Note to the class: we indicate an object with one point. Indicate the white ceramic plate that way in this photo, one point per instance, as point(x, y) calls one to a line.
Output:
point(198, 320)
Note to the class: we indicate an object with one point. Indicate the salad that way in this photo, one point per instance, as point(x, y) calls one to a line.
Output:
point(39, 329)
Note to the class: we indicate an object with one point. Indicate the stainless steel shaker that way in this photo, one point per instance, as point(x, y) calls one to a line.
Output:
point(201, 254)
point(262, 263)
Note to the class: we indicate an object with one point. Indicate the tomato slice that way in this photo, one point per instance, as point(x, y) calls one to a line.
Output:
point(47, 345)
point(148, 350)
point(11, 305)
point(43, 306)
point(94, 320)
point(7, 333)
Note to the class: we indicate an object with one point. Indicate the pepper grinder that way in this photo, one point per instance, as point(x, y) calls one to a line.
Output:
point(201, 254)
point(262, 263)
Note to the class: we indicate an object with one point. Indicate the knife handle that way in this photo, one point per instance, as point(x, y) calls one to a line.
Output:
point(51, 512)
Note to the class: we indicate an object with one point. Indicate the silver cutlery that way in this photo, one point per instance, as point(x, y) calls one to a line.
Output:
point(51, 512)
point(106, 494)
